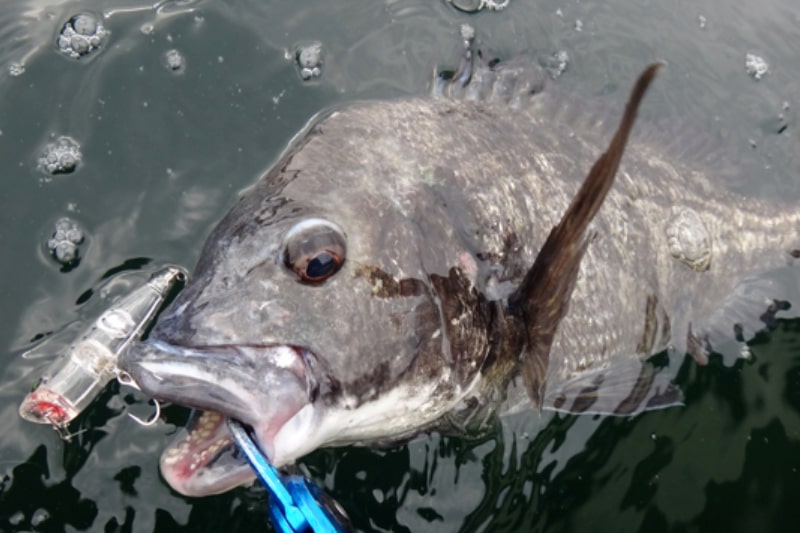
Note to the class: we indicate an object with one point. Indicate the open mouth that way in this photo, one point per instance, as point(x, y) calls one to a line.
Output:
point(262, 386)
point(203, 459)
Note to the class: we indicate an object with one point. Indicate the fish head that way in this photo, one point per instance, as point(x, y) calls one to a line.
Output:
point(318, 314)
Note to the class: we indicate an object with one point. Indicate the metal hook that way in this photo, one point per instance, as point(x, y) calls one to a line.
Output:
point(66, 435)
point(125, 379)
point(152, 420)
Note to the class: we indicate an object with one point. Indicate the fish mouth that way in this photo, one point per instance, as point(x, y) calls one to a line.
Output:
point(202, 459)
point(263, 386)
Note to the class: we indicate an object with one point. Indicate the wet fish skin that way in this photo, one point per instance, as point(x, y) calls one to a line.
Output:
point(444, 205)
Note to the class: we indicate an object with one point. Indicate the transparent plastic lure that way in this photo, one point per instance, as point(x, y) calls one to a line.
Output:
point(81, 372)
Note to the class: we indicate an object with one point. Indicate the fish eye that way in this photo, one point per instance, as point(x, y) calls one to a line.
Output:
point(314, 250)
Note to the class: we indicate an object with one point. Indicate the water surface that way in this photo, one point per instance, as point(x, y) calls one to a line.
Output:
point(165, 153)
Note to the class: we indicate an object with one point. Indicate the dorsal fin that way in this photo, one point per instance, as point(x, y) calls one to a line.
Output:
point(479, 77)
point(542, 299)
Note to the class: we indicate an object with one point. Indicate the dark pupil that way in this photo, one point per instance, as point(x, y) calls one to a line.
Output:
point(322, 265)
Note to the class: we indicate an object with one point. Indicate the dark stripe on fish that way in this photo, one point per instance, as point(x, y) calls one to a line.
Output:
point(650, 329)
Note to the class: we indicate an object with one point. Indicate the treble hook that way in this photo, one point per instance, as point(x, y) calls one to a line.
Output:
point(125, 379)
point(66, 435)
point(152, 420)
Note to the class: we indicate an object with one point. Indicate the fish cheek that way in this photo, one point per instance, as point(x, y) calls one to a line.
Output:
point(401, 330)
point(442, 328)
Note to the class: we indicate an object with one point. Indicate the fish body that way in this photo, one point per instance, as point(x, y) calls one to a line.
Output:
point(364, 289)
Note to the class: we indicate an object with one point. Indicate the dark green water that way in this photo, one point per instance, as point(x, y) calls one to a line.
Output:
point(165, 153)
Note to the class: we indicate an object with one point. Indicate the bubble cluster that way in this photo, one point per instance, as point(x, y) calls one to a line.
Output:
point(81, 35)
point(63, 245)
point(556, 64)
point(309, 59)
point(755, 66)
point(60, 156)
point(473, 6)
point(467, 33)
point(16, 69)
point(174, 60)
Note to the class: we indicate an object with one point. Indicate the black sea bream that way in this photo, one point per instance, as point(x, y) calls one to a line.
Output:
point(427, 263)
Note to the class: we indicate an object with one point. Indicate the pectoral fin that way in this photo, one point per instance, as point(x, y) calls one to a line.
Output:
point(627, 386)
point(543, 297)
point(754, 305)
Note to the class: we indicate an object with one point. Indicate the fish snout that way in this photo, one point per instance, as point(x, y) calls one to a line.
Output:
point(262, 386)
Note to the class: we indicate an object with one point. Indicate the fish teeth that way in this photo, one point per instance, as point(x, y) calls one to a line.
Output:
point(173, 455)
point(209, 417)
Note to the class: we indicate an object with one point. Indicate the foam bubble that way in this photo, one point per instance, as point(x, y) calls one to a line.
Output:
point(174, 60)
point(16, 69)
point(556, 64)
point(755, 66)
point(309, 60)
point(60, 156)
point(65, 241)
point(81, 35)
point(473, 6)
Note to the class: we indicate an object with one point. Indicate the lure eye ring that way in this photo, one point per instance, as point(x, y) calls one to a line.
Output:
point(314, 250)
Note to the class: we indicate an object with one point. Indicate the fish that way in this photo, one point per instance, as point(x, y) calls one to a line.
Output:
point(430, 263)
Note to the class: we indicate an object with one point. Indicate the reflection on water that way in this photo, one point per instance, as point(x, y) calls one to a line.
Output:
point(164, 152)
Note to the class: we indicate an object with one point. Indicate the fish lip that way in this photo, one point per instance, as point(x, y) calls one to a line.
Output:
point(196, 375)
point(226, 379)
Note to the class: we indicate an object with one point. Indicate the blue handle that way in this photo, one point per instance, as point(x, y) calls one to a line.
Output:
point(295, 504)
